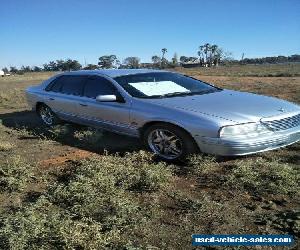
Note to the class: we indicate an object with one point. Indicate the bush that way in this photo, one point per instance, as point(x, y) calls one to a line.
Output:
point(89, 135)
point(61, 131)
point(185, 203)
point(200, 165)
point(43, 226)
point(6, 146)
point(134, 172)
point(260, 176)
point(92, 205)
point(15, 175)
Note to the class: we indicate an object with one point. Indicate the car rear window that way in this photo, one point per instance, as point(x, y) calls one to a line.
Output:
point(55, 85)
point(71, 85)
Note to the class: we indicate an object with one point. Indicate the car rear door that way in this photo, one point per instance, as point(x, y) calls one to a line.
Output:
point(110, 115)
point(62, 95)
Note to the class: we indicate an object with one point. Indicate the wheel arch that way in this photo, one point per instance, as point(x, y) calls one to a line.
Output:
point(147, 125)
point(38, 105)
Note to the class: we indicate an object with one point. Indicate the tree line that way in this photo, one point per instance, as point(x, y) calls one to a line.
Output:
point(208, 55)
point(58, 65)
point(271, 59)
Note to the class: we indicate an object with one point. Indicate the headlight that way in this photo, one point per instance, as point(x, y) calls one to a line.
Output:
point(246, 130)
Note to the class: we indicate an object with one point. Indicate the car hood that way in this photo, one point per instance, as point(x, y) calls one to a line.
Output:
point(231, 105)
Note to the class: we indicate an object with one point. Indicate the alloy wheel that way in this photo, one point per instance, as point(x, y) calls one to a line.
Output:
point(165, 144)
point(47, 115)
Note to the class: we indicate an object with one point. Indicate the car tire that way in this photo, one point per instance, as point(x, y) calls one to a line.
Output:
point(47, 116)
point(169, 142)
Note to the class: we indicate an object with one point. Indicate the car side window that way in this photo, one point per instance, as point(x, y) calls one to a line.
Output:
point(72, 85)
point(96, 85)
point(55, 85)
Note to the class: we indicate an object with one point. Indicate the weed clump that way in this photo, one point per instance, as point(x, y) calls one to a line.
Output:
point(93, 204)
point(261, 176)
point(201, 165)
point(6, 146)
point(89, 135)
point(15, 175)
point(43, 226)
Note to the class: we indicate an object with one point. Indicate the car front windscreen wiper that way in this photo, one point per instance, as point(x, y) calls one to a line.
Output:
point(174, 94)
point(169, 95)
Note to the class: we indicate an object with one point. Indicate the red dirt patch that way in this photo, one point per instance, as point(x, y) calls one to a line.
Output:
point(62, 159)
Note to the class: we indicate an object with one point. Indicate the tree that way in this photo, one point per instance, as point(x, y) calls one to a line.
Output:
point(60, 65)
point(206, 48)
point(183, 59)
point(13, 70)
point(91, 67)
point(163, 51)
point(46, 67)
point(188, 59)
point(227, 58)
point(75, 65)
point(107, 61)
point(294, 58)
point(5, 70)
point(175, 59)
point(52, 66)
point(201, 54)
point(210, 54)
point(218, 55)
point(163, 60)
point(213, 51)
point(72, 65)
point(156, 59)
point(36, 69)
point(132, 62)
point(25, 68)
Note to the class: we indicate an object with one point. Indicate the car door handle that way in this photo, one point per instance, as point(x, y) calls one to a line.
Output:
point(83, 105)
point(51, 99)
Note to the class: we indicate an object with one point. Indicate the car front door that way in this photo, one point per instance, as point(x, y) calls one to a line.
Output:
point(113, 115)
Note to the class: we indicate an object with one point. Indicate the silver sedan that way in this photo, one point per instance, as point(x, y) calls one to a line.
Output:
point(175, 115)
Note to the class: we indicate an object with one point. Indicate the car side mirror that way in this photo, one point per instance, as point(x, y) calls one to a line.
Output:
point(110, 98)
point(106, 98)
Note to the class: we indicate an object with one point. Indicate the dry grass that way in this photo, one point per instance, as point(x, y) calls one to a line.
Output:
point(267, 70)
point(6, 146)
point(12, 89)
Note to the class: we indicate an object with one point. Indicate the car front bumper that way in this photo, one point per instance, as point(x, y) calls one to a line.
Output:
point(219, 146)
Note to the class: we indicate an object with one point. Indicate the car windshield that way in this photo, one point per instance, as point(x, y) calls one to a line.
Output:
point(163, 85)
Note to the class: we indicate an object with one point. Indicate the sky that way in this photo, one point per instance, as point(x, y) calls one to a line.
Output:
point(34, 32)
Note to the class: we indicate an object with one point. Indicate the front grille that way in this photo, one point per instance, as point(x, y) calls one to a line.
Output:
point(283, 124)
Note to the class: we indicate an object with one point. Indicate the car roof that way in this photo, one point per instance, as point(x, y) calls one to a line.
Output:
point(113, 72)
